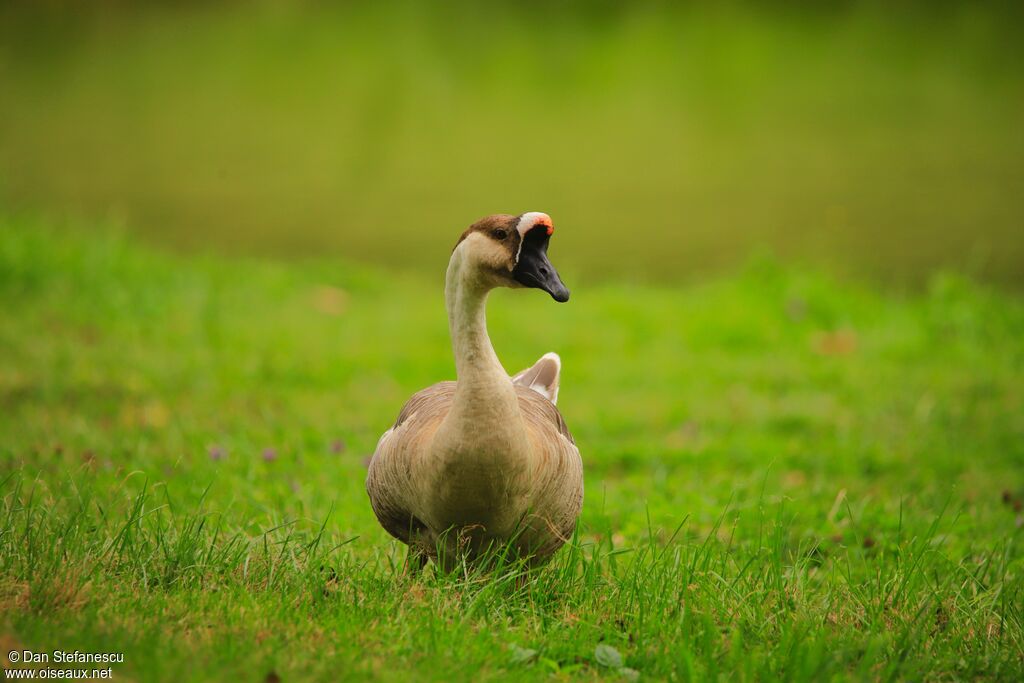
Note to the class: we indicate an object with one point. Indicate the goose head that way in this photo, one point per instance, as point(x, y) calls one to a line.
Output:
point(511, 251)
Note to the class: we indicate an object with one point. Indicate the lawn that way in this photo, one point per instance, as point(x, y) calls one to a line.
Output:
point(789, 475)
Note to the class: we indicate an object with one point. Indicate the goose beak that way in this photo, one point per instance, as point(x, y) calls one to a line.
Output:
point(533, 269)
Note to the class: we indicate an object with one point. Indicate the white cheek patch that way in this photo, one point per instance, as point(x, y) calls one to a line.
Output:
point(528, 221)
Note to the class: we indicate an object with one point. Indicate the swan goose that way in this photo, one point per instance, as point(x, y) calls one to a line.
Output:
point(487, 459)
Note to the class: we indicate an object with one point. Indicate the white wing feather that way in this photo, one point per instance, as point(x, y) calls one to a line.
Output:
point(542, 376)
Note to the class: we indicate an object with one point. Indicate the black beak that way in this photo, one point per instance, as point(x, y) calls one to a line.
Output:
point(534, 269)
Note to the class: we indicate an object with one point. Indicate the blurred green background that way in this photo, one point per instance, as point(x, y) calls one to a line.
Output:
point(667, 141)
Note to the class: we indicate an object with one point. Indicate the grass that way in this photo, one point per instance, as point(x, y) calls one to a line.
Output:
point(788, 476)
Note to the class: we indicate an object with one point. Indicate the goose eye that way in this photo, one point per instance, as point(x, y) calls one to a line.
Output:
point(500, 233)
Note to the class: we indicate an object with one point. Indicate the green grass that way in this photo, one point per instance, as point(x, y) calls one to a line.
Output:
point(788, 476)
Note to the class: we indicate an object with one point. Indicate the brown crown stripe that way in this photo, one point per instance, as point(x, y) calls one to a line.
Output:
point(488, 225)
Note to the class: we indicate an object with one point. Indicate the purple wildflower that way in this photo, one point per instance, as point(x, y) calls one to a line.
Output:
point(269, 455)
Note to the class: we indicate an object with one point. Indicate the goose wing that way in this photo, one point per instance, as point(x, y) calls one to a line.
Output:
point(389, 473)
point(557, 495)
point(542, 376)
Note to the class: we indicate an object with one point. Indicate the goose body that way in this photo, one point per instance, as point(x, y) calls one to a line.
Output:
point(487, 459)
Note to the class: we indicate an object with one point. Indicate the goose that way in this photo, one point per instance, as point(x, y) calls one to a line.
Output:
point(486, 460)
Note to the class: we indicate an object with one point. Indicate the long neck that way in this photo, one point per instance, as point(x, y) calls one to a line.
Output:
point(466, 299)
point(485, 401)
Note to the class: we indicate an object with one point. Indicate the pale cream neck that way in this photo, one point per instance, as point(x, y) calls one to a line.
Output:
point(485, 400)
point(465, 296)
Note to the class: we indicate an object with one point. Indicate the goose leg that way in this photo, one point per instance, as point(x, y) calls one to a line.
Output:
point(415, 560)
